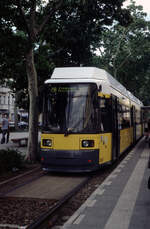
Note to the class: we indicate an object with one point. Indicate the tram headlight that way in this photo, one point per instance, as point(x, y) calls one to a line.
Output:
point(87, 143)
point(47, 142)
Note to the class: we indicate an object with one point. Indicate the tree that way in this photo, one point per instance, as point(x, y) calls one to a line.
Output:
point(28, 23)
point(125, 52)
point(22, 16)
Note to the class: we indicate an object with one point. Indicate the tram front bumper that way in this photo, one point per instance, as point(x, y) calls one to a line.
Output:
point(70, 160)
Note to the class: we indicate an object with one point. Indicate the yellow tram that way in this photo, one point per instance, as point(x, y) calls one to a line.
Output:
point(89, 119)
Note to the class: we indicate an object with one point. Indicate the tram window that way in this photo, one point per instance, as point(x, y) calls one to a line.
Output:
point(125, 119)
point(138, 117)
point(106, 117)
point(72, 108)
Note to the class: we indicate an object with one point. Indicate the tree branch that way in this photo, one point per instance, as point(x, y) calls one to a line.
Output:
point(118, 47)
point(102, 54)
point(117, 51)
point(58, 4)
point(32, 13)
point(22, 13)
point(123, 62)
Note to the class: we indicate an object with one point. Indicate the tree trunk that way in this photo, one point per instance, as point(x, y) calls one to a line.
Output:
point(33, 108)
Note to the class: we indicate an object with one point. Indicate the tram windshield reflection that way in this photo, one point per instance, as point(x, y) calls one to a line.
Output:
point(71, 108)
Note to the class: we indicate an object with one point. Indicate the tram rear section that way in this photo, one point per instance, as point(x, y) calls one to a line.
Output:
point(89, 119)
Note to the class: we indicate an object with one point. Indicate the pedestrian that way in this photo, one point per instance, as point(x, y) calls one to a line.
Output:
point(5, 129)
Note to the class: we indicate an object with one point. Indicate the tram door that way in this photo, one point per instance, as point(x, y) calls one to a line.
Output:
point(115, 129)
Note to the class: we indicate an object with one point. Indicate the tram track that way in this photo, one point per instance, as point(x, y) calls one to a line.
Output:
point(19, 176)
point(35, 209)
point(72, 200)
point(2, 194)
point(47, 218)
point(16, 182)
point(43, 218)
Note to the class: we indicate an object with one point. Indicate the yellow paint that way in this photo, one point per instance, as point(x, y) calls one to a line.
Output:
point(105, 146)
point(70, 142)
point(104, 95)
point(61, 142)
point(126, 138)
point(102, 142)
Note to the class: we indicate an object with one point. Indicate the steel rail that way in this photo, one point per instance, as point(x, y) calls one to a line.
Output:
point(19, 176)
point(2, 194)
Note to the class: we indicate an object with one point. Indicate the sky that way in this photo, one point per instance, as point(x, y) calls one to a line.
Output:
point(144, 3)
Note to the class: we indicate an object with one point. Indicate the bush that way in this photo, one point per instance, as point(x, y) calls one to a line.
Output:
point(10, 159)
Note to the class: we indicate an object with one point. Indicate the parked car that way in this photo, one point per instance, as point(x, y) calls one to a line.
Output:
point(23, 125)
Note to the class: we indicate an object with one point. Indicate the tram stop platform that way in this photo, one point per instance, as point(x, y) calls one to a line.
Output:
point(122, 201)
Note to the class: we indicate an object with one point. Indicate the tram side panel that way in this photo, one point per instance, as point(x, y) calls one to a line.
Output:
point(121, 127)
point(126, 139)
point(105, 148)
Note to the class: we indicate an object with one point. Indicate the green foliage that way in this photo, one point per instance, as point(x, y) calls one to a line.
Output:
point(10, 159)
point(78, 26)
point(125, 53)
point(22, 99)
point(72, 30)
point(67, 39)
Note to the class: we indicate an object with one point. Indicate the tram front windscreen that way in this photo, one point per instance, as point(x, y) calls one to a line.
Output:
point(70, 108)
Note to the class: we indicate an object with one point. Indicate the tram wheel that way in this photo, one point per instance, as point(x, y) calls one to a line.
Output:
point(148, 185)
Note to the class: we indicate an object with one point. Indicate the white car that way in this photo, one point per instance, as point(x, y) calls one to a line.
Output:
point(22, 125)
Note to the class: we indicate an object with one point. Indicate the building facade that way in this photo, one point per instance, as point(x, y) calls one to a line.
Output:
point(7, 102)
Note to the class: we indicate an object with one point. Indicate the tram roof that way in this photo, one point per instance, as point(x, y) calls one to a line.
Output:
point(89, 74)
